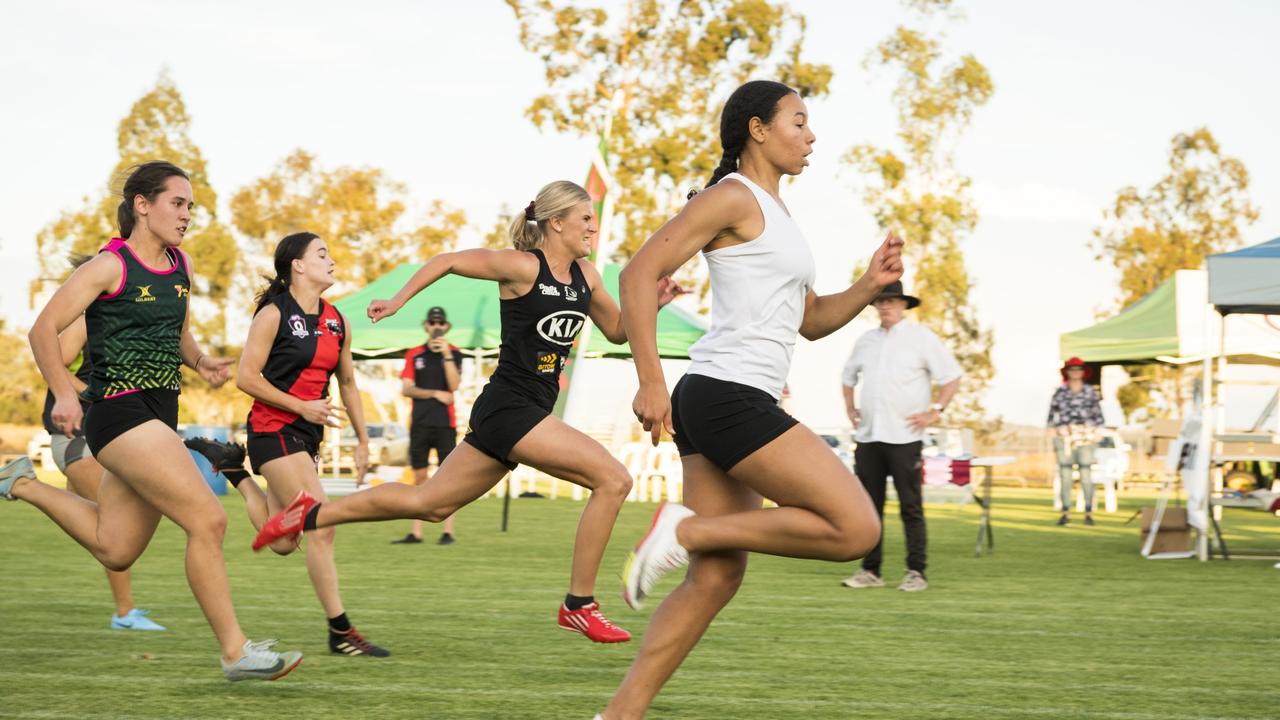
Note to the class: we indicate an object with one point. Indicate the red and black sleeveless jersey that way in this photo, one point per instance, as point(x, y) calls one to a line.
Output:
point(425, 367)
point(538, 330)
point(302, 359)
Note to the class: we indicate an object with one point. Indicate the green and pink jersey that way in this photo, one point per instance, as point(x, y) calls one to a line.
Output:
point(135, 332)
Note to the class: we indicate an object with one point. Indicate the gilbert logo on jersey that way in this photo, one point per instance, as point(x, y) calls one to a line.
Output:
point(144, 294)
point(561, 327)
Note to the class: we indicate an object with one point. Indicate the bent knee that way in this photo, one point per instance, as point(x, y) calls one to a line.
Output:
point(613, 481)
point(721, 578)
point(855, 541)
point(211, 524)
point(119, 561)
point(284, 546)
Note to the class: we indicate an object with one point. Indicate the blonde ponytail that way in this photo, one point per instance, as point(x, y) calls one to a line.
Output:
point(554, 200)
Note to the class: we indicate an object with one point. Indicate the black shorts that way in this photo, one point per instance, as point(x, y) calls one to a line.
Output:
point(267, 446)
point(724, 421)
point(425, 438)
point(110, 418)
point(500, 418)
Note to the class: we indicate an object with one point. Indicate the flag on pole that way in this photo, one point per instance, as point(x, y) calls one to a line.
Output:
point(599, 183)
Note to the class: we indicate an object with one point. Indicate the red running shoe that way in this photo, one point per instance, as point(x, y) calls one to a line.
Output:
point(285, 523)
point(589, 621)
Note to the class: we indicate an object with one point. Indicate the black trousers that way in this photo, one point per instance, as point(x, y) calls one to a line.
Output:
point(873, 463)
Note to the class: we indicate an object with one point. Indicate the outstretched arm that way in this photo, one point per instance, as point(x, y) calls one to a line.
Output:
point(824, 314)
point(504, 266)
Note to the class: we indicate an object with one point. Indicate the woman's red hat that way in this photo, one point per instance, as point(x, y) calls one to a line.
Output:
point(1076, 362)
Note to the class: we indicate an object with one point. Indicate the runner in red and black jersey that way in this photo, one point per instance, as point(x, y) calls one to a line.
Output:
point(547, 290)
point(134, 297)
point(296, 343)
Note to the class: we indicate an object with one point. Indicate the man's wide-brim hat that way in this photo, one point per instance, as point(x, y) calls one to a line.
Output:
point(1076, 362)
point(894, 290)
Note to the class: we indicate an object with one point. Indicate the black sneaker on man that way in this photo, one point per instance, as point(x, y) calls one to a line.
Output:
point(409, 539)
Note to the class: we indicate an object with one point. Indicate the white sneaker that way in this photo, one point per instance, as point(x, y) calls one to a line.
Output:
point(863, 579)
point(656, 554)
point(260, 662)
point(913, 581)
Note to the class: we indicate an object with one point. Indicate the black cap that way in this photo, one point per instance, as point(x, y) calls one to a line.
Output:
point(437, 314)
point(894, 290)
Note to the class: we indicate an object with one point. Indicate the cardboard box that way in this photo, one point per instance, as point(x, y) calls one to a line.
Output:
point(1175, 534)
point(1166, 428)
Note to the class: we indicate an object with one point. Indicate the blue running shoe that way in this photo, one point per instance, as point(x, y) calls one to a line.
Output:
point(9, 474)
point(135, 619)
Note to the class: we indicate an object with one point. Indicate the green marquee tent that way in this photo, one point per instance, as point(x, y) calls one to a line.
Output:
point(1174, 324)
point(1142, 332)
point(473, 311)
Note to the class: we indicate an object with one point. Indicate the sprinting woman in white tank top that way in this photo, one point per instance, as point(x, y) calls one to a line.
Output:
point(737, 445)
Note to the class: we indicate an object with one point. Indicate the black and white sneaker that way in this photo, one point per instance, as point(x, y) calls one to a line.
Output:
point(352, 643)
point(221, 455)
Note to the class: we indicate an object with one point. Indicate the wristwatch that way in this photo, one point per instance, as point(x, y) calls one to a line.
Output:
point(937, 407)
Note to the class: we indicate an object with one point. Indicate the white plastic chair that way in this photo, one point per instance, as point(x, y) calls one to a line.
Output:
point(632, 455)
point(662, 470)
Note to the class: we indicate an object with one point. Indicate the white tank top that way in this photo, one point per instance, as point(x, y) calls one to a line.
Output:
point(757, 301)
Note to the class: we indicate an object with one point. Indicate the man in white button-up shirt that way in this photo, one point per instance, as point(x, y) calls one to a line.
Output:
point(897, 365)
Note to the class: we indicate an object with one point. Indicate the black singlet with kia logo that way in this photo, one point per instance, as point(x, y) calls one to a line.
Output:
point(538, 330)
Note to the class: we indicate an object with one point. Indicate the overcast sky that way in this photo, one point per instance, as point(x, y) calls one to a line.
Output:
point(1088, 95)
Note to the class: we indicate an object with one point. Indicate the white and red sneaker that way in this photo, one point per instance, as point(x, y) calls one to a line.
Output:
point(589, 621)
point(287, 522)
point(657, 554)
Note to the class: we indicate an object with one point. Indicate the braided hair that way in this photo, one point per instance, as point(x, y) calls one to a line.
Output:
point(757, 98)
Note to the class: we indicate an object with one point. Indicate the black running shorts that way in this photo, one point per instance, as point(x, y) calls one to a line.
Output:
point(425, 438)
point(724, 421)
point(110, 418)
point(500, 418)
point(267, 446)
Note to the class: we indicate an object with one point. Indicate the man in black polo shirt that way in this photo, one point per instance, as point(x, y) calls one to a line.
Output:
point(430, 375)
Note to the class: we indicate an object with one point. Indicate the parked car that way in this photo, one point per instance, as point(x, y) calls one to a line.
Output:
point(839, 447)
point(388, 445)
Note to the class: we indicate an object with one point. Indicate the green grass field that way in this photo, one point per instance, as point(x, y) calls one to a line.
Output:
point(1058, 623)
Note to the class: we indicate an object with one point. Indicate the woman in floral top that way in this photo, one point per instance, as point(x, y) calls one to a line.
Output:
point(1075, 422)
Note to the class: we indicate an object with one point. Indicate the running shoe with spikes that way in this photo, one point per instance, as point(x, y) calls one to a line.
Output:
point(221, 455)
point(657, 554)
point(260, 662)
point(12, 473)
point(353, 644)
point(589, 621)
point(287, 523)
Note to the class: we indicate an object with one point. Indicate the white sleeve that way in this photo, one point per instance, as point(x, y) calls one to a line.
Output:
point(941, 364)
point(849, 376)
